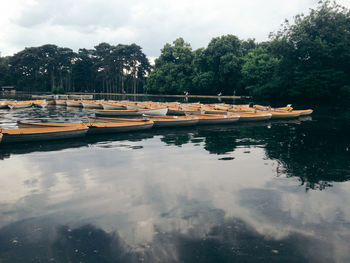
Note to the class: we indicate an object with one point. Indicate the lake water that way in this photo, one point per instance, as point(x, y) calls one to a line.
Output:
point(275, 191)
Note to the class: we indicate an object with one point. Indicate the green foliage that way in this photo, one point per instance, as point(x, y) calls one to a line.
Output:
point(173, 70)
point(58, 90)
point(5, 73)
point(259, 73)
point(314, 54)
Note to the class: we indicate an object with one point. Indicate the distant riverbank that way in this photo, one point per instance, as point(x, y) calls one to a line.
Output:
point(162, 95)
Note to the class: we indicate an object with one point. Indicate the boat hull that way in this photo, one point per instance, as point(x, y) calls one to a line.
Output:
point(89, 105)
point(71, 103)
point(20, 105)
point(155, 112)
point(100, 128)
point(254, 117)
point(284, 115)
point(42, 134)
point(106, 113)
point(107, 106)
point(222, 119)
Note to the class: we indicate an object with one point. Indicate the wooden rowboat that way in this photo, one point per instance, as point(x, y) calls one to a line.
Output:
point(41, 134)
point(60, 102)
point(40, 103)
point(113, 106)
point(304, 112)
point(254, 116)
point(74, 103)
point(49, 124)
point(118, 113)
point(20, 105)
point(96, 127)
point(116, 127)
point(5, 104)
point(159, 121)
point(284, 115)
point(217, 118)
point(157, 112)
point(91, 104)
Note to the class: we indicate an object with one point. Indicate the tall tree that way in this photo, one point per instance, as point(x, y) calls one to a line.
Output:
point(314, 54)
point(173, 69)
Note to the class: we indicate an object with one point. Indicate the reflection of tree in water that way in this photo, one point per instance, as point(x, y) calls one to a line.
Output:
point(317, 153)
point(177, 139)
point(231, 241)
point(219, 142)
point(89, 244)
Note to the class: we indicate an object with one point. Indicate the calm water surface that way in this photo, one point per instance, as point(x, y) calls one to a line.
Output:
point(274, 191)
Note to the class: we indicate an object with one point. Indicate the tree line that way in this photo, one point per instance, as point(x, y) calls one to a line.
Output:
point(308, 59)
point(106, 68)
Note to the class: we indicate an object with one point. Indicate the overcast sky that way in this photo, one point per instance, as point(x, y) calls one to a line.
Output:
point(148, 23)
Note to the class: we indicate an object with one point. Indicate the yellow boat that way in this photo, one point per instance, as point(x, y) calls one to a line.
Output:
point(209, 119)
point(41, 134)
point(94, 128)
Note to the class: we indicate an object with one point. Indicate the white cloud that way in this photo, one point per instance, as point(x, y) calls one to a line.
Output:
point(150, 24)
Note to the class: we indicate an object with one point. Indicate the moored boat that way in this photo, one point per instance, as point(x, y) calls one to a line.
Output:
point(49, 124)
point(113, 106)
point(41, 134)
point(20, 104)
point(91, 104)
point(74, 103)
point(217, 118)
point(174, 121)
point(95, 127)
point(118, 113)
point(5, 104)
point(40, 103)
point(60, 103)
point(155, 111)
point(304, 112)
point(254, 116)
point(116, 127)
point(283, 115)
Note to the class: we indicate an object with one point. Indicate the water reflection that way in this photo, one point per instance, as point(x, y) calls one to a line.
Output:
point(230, 241)
point(205, 194)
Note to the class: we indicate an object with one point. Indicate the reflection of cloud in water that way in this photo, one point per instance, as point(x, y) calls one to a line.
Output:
point(159, 199)
point(46, 240)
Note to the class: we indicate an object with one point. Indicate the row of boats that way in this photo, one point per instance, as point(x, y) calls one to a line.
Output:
point(135, 116)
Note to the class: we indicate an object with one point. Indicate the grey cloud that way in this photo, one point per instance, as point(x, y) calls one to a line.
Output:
point(84, 24)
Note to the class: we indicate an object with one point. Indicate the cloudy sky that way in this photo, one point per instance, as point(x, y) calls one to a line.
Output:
point(150, 24)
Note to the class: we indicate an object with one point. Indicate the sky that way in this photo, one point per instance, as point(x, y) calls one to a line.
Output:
point(148, 23)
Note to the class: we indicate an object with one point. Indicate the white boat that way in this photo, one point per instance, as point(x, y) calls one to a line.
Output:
point(112, 106)
point(91, 105)
point(156, 112)
point(41, 134)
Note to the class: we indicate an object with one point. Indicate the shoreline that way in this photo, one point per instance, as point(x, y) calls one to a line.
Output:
point(161, 95)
